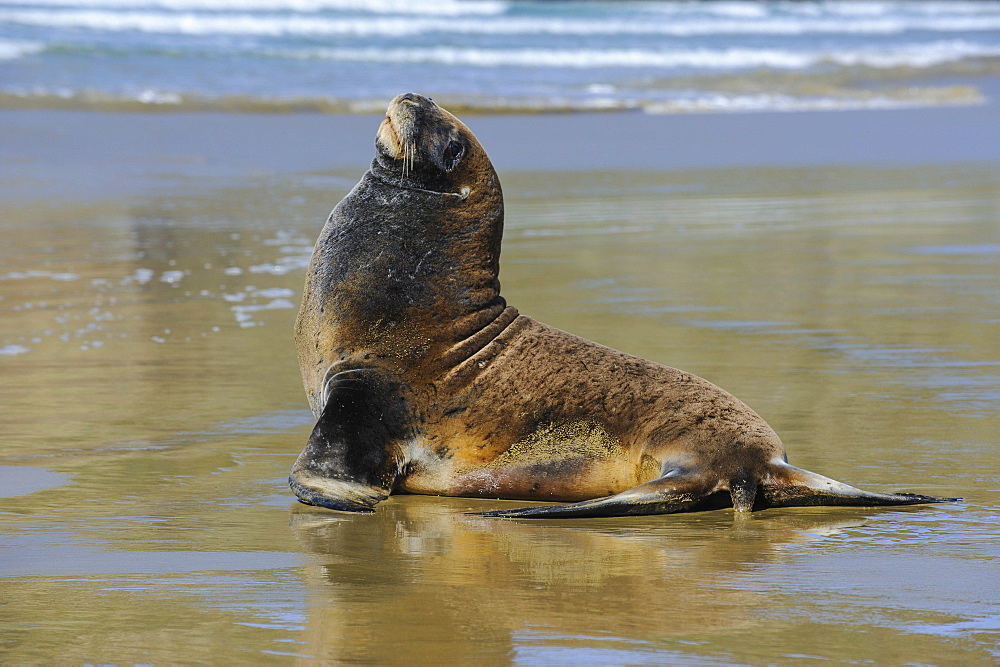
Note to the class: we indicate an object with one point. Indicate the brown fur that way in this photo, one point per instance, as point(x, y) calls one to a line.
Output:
point(423, 380)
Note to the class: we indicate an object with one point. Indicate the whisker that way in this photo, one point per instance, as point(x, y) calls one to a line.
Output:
point(343, 373)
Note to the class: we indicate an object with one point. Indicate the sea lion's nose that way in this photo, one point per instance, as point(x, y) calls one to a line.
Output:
point(414, 99)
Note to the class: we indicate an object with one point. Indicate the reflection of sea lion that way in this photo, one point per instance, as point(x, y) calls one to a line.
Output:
point(424, 380)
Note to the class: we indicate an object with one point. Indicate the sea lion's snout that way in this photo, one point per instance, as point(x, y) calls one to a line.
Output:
point(399, 133)
point(400, 129)
point(404, 110)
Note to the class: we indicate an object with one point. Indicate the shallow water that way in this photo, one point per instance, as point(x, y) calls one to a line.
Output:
point(151, 408)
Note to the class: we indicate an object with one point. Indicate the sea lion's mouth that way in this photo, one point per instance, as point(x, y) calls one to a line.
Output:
point(399, 132)
point(389, 140)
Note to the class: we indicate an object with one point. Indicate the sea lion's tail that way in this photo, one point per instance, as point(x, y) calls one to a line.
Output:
point(780, 485)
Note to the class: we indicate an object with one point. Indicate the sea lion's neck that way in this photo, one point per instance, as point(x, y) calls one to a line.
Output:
point(409, 273)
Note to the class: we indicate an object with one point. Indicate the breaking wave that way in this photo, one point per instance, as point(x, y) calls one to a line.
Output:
point(353, 55)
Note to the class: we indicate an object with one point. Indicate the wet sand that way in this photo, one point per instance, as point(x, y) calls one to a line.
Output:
point(73, 154)
point(839, 272)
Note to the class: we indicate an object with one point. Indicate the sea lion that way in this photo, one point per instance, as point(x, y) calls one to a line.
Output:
point(423, 380)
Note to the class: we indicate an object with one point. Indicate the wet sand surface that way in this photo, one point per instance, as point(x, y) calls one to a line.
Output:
point(150, 404)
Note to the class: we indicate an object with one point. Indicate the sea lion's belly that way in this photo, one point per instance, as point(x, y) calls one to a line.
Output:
point(573, 460)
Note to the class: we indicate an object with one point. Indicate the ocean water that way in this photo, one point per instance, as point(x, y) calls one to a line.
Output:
point(488, 55)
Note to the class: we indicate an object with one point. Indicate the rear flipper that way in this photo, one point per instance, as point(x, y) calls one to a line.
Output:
point(788, 486)
point(674, 492)
point(781, 485)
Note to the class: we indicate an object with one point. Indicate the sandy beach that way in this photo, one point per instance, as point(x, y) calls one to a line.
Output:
point(836, 270)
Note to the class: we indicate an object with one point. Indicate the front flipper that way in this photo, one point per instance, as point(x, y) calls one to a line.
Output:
point(351, 460)
point(336, 494)
point(675, 492)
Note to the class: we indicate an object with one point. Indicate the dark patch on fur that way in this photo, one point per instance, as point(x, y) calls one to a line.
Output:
point(366, 416)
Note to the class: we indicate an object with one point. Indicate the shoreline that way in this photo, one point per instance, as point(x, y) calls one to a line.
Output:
point(920, 95)
point(88, 155)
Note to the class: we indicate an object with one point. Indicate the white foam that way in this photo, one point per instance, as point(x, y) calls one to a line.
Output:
point(193, 22)
point(13, 350)
point(855, 8)
point(141, 276)
point(273, 269)
point(778, 102)
point(913, 55)
point(273, 293)
point(210, 24)
point(35, 273)
point(273, 304)
point(171, 277)
point(151, 96)
point(784, 26)
point(575, 58)
point(244, 314)
point(412, 7)
point(12, 50)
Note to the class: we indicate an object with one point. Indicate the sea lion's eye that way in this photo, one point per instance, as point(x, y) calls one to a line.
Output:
point(452, 154)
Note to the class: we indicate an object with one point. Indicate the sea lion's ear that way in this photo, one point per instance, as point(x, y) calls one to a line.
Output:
point(452, 154)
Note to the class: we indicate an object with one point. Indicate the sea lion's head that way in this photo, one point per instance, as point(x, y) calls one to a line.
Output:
point(422, 147)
